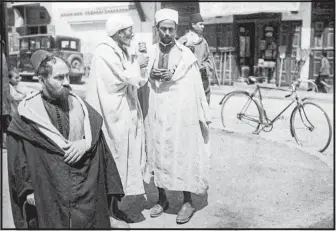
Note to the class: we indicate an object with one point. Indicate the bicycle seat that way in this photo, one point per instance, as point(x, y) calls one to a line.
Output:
point(251, 80)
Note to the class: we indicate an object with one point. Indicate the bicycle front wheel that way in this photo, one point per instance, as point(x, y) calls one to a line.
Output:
point(311, 127)
point(240, 112)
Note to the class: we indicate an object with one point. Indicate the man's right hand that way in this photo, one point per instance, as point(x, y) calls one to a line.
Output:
point(31, 199)
point(143, 60)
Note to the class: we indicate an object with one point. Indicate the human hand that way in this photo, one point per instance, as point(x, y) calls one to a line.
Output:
point(156, 73)
point(142, 47)
point(31, 199)
point(166, 75)
point(142, 60)
point(74, 151)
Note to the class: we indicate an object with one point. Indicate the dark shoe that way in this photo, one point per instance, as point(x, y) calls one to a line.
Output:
point(158, 209)
point(185, 214)
point(120, 215)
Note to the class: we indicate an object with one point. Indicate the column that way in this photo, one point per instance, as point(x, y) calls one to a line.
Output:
point(305, 39)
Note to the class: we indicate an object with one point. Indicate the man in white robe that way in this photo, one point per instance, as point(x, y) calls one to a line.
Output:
point(176, 119)
point(112, 91)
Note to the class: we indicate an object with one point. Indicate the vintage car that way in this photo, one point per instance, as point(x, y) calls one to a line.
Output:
point(64, 46)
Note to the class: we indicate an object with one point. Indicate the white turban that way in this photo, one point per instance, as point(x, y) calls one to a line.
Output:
point(118, 22)
point(166, 14)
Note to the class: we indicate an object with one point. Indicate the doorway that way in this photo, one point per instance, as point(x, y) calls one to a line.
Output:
point(246, 45)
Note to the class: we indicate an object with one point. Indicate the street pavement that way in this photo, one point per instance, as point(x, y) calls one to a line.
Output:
point(256, 181)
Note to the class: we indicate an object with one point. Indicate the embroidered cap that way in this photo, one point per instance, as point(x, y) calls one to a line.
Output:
point(166, 14)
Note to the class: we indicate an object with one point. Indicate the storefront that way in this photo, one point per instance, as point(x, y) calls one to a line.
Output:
point(246, 38)
point(323, 37)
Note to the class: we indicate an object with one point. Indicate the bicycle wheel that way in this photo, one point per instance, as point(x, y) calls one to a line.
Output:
point(240, 112)
point(311, 127)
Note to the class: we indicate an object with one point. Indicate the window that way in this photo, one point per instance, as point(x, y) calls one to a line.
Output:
point(331, 41)
point(318, 54)
point(33, 30)
point(43, 29)
point(69, 44)
point(32, 44)
point(45, 43)
point(330, 54)
point(318, 41)
point(317, 67)
point(42, 15)
point(73, 45)
point(24, 44)
point(65, 44)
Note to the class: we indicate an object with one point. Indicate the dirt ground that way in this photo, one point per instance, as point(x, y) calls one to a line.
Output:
point(254, 183)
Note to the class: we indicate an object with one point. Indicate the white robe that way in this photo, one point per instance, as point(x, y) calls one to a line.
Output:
point(112, 91)
point(176, 126)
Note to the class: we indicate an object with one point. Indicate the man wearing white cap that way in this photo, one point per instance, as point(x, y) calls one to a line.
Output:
point(176, 120)
point(113, 83)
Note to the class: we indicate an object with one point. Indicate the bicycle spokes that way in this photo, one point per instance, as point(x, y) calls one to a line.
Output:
point(239, 110)
point(311, 127)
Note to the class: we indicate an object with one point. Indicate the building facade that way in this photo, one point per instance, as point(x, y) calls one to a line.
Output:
point(246, 37)
point(242, 36)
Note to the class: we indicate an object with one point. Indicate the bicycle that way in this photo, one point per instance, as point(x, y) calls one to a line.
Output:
point(254, 114)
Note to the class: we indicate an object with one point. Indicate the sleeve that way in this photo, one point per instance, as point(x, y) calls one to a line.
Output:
point(15, 95)
point(183, 40)
point(112, 178)
point(208, 62)
point(19, 178)
point(203, 110)
point(111, 60)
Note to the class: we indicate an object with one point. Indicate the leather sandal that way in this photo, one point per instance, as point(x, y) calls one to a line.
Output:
point(158, 209)
point(185, 214)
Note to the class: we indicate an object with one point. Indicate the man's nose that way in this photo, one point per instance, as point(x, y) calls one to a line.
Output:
point(66, 81)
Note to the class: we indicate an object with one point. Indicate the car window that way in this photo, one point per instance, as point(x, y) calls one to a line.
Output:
point(73, 45)
point(65, 44)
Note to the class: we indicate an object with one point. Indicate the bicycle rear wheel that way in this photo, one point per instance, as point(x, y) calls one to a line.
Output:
point(311, 127)
point(240, 112)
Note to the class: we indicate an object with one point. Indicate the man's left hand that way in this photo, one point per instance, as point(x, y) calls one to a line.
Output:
point(166, 75)
point(74, 151)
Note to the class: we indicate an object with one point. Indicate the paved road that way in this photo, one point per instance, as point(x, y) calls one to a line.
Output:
point(254, 183)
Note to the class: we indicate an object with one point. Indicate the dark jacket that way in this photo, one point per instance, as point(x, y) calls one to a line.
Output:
point(66, 196)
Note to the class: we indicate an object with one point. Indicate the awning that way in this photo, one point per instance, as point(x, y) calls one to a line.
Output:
point(218, 9)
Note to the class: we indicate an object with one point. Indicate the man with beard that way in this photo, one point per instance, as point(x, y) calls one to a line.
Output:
point(113, 83)
point(195, 41)
point(60, 169)
point(176, 120)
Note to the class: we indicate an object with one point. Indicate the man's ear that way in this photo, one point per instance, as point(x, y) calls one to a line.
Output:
point(40, 79)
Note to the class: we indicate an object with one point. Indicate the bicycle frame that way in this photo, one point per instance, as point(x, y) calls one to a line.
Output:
point(258, 92)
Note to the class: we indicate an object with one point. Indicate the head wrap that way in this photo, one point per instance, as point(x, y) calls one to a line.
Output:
point(117, 23)
point(166, 14)
point(195, 18)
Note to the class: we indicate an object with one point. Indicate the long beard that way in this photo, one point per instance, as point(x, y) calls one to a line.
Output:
point(62, 96)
